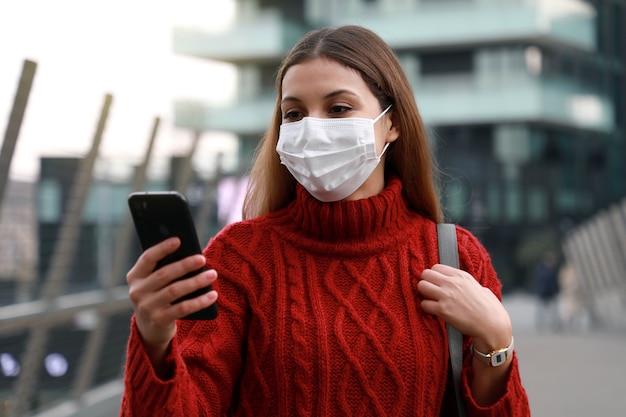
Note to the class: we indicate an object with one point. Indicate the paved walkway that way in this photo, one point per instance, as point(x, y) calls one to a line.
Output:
point(573, 374)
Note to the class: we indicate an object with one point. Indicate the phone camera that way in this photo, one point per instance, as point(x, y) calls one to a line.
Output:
point(138, 205)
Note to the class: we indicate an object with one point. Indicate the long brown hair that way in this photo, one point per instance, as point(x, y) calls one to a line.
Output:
point(271, 186)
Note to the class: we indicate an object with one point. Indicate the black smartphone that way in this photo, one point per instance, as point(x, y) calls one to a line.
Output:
point(163, 214)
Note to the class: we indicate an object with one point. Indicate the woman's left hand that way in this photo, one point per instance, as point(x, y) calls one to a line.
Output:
point(456, 297)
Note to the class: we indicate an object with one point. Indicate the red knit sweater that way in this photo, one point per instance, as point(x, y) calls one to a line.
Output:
point(319, 315)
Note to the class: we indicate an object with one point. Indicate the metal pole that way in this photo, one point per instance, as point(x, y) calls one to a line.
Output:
point(94, 344)
point(69, 232)
point(56, 276)
point(587, 263)
point(606, 233)
point(619, 227)
point(598, 254)
point(209, 197)
point(32, 314)
point(15, 123)
point(88, 360)
point(124, 236)
point(183, 177)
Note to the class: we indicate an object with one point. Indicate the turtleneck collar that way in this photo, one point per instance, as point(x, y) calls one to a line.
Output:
point(348, 219)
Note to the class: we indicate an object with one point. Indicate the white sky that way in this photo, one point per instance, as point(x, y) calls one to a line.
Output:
point(85, 49)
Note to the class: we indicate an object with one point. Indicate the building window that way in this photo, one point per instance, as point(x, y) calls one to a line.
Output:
point(568, 200)
point(619, 101)
point(493, 202)
point(617, 30)
point(513, 204)
point(537, 205)
point(267, 76)
point(456, 201)
point(49, 201)
point(444, 63)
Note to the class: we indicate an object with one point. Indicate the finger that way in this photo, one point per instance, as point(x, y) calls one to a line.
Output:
point(434, 276)
point(169, 273)
point(431, 307)
point(187, 307)
point(445, 269)
point(181, 288)
point(429, 290)
point(441, 274)
point(145, 291)
point(158, 305)
point(148, 260)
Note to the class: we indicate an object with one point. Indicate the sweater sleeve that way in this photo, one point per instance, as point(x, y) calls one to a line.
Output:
point(204, 358)
point(474, 259)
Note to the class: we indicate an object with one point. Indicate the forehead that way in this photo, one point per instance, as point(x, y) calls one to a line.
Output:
point(321, 74)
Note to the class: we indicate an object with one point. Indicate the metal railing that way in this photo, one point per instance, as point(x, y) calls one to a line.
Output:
point(48, 312)
point(596, 252)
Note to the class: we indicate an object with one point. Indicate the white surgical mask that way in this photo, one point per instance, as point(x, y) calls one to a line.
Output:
point(331, 158)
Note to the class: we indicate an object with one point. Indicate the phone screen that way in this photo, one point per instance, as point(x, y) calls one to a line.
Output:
point(161, 215)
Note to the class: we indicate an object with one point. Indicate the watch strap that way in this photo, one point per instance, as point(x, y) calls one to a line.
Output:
point(496, 357)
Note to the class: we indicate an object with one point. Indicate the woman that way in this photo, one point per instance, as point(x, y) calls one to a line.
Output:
point(332, 302)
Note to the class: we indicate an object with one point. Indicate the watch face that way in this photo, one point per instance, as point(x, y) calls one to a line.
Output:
point(498, 358)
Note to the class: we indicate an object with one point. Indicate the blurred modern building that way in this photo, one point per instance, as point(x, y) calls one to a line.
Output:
point(103, 217)
point(18, 245)
point(525, 100)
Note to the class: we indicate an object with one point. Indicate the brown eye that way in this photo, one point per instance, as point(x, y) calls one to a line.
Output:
point(292, 116)
point(336, 110)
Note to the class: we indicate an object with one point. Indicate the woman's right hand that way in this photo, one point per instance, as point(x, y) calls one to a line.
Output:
point(153, 292)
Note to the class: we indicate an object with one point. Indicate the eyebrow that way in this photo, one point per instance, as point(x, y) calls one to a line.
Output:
point(327, 96)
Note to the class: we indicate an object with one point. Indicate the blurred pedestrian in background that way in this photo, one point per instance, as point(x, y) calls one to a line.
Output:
point(571, 297)
point(546, 284)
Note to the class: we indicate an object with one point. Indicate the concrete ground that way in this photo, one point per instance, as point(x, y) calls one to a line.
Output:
point(579, 373)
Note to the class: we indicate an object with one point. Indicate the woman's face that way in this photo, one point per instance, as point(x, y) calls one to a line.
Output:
point(323, 88)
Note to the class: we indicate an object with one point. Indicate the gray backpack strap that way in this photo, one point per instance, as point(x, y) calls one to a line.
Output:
point(449, 255)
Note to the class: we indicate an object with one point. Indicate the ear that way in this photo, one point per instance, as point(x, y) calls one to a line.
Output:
point(392, 130)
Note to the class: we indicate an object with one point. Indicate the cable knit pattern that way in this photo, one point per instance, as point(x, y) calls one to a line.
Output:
point(318, 316)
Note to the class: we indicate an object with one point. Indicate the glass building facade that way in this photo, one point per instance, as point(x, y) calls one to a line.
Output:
point(525, 101)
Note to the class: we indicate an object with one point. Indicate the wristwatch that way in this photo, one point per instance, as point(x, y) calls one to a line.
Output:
point(495, 357)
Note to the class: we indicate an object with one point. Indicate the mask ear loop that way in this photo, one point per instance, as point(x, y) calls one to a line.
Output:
point(374, 121)
point(383, 151)
point(382, 114)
